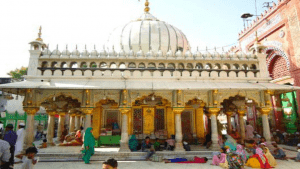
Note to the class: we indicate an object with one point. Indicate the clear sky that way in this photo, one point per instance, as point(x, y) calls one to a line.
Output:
point(205, 23)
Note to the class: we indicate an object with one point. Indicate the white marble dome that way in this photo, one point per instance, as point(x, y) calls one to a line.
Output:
point(145, 32)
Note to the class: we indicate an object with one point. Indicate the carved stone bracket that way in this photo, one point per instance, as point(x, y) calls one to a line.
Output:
point(31, 110)
point(214, 111)
point(124, 110)
point(178, 110)
point(265, 110)
point(87, 110)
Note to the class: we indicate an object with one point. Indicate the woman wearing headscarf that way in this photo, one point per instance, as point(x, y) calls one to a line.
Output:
point(89, 145)
point(220, 160)
point(133, 143)
point(270, 157)
point(240, 151)
point(258, 160)
point(230, 142)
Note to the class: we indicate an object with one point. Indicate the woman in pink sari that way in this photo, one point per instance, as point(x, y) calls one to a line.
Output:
point(240, 151)
point(219, 159)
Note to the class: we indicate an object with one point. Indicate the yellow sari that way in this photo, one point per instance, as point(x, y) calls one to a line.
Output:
point(270, 158)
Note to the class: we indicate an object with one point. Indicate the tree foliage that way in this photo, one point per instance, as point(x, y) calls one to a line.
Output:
point(18, 74)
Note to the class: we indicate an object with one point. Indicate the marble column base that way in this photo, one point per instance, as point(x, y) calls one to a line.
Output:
point(124, 148)
point(179, 147)
point(215, 147)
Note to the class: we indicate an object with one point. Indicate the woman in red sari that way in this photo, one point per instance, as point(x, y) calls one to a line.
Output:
point(235, 134)
point(258, 160)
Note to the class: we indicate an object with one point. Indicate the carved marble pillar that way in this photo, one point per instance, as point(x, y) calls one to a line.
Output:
point(242, 124)
point(88, 117)
point(50, 129)
point(229, 125)
point(265, 122)
point(29, 137)
point(77, 122)
point(214, 128)
point(124, 147)
point(178, 129)
point(61, 124)
point(72, 123)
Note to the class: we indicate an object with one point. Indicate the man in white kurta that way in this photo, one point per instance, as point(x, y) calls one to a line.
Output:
point(20, 140)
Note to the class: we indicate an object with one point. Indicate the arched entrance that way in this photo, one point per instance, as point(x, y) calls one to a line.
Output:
point(192, 119)
point(151, 116)
point(239, 110)
point(106, 119)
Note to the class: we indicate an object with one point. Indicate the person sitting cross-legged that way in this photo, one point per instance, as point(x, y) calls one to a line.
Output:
point(148, 147)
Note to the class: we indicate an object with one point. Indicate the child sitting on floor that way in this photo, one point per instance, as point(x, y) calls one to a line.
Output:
point(44, 144)
point(28, 158)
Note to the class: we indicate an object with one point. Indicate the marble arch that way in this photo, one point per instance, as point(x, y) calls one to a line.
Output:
point(66, 94)
point(277, 52)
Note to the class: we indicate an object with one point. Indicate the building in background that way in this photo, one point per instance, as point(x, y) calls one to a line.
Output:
point(278, 28)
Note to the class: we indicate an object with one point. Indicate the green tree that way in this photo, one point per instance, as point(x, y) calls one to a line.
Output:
point(18, 74)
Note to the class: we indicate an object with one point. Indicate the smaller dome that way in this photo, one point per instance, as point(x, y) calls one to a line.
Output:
point(188, 54)
point(85, 53)
point(208, 55)
point(140, 53)
point(178, 54)
point(160, 54)
point(170, 54)
point(131, 54)
point(122, 53)
point(66, 52)
point(94, 52)
point(103, 52)
point(150, 54)
point(197, 54)
point(56, 52)
point(46, 52)
point(112, 53)
point(75, 53)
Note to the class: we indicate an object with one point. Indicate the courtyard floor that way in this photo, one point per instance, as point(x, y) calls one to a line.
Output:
point(144, 165)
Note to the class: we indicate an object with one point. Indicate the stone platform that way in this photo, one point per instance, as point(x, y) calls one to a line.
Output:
point(62, 154)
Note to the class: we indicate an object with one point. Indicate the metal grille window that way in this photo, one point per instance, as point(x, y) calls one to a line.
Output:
point(137, 121)
point(159, 119)
point(112, 117)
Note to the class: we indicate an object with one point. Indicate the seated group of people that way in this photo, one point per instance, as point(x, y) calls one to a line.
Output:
point(72, 139)
point(169, 144)
point(147, 146)
point(233, 155)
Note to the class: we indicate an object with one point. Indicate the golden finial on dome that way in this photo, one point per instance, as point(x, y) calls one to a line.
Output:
point(40, 34)
point(147, 9)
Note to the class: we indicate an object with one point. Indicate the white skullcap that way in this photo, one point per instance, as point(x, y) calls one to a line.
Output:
point(22, 124)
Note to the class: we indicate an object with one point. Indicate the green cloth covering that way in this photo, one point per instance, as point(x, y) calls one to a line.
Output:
point(89, 145)
point(133, 143)
point(156, 145)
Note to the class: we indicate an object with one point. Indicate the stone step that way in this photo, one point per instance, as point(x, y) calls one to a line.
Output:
point(131, 156)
